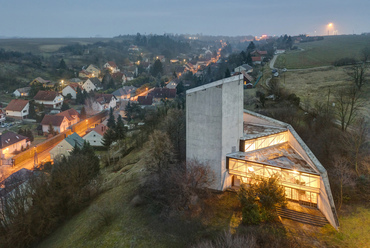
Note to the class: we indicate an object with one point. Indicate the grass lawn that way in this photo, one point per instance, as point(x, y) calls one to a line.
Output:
point(324, 52)
point(354, 230)
point(313, 85)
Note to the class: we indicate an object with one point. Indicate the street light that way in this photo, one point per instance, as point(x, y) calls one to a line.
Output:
point(330, 25)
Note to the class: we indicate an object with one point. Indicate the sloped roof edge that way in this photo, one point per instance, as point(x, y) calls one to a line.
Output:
point(214, 84)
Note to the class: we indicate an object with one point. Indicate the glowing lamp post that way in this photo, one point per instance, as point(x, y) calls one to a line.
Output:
point(330, 26)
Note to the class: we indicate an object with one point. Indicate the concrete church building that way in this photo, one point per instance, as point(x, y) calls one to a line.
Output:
point(241, 146)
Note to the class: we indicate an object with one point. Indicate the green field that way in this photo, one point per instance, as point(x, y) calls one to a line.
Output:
point(354, 230)
point(43, 45)
point(324, 52)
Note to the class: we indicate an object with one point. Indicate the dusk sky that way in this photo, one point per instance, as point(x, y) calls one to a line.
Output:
point(82, 18)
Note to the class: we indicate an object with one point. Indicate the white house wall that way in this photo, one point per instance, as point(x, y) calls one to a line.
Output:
point(88, 86)
point(18, 114)
point(57, 101)
point(93, 138)
point(63, 148)
point(69, 90)
point(15, 147)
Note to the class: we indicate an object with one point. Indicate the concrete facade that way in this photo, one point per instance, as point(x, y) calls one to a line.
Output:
point(216, 125)
point(214, 117)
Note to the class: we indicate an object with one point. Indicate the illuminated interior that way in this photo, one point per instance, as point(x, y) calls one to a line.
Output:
point(267, 155)
point(298, 186)
point(266, 141)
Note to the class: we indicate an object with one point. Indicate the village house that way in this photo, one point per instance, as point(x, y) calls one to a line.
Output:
point(95, 135)
point(71, 89)
point(245, 67)
point(40, 80)
point(94, 70)
point(111, 66)
point(161, 58)
point(104, 101)
point(51, 99)
point(85, 74)
point(279, 51)
point(92, 84)
point(257, 60)
point(145, 100)
point(118, 77)
point(60, 122)
point(11, 142)
point(128, 76)
point(2, 116)
point(258, 53)
point(241, 146)
point(17, 109)
point(247, 79)
point(133, 48)
point(125, 93)
point(65, 147)
point(22, 92)
point(163, 93)
point(172, 84)
point(75, 80)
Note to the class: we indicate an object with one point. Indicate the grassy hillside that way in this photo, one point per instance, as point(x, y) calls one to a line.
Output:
point(354, 230)
point(112, 221)
point(324, 52)
point(313, 85)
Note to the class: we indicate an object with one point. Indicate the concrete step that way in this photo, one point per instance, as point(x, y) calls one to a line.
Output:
point(302, 217)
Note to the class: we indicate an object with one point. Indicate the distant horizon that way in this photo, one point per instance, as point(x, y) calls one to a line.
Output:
point(179, 34)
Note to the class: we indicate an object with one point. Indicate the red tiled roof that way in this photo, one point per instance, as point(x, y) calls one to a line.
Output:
point(163, 93)
point(256, 59)
point(10, 138)
point(117, 75)
point(104, 98)
point(100, 129)
point(259, 52)
point(145, 100)
point(74, 86)
point(55, 120)
point(70, 114)
point(16, 105)
point(43, 95)
point(112, 64)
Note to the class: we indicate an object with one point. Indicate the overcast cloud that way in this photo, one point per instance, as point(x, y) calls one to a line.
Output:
point(82, 18)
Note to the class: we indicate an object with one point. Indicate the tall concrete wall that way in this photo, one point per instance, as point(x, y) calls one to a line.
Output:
point(214, 124)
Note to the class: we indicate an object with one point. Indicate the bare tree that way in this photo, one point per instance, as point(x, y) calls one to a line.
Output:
point(343, 176)
point(357, 73)
point(348, 104)
point(355, 143)
point(365, 54)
